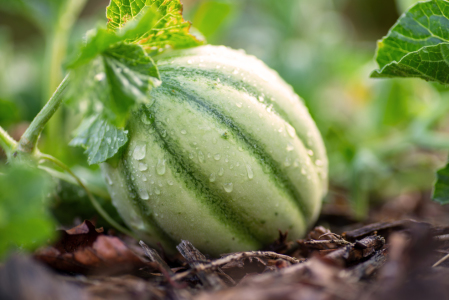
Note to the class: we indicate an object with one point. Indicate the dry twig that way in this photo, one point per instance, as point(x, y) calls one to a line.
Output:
point(234, 257)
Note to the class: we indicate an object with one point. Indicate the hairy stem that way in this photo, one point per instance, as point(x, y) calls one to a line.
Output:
point(7, 142)
point(29, 139)
point(92, 199)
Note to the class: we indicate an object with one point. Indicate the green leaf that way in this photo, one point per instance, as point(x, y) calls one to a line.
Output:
point(211, 15)
point(441, 189)
point(101, 139)
point(170, 30)
point(115, 82)
point(418, 44)
point(24, 219)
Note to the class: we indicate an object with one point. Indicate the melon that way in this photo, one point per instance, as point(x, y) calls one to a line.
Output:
point(226, 155)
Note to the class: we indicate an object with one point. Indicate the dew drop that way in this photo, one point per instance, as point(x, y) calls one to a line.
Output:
point(231, 166)
point(189, 61)
point(240, 149)
point(212, 177)
point(160, 168)
point(164, 133)
point(303, 171)
point(221, 172)
point(144, 178)
point(157, 191)
point(191, 155)
point(146, 120)
point(228, 187)
point(200, 156)
point(261, 99)
point(290, 147)
point(310, 152)
point(109, 180)
point(143, 194)
point(217, 156)
point(249, 171)
point(139, 152)
point(319, 162)
point(170, 182)
point(291, 131)
point(183, 131)
point(239, 104)
point(142, 166)
point(287, 162)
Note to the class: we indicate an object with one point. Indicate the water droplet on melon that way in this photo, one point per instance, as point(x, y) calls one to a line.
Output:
point(142, 166)
point(228, 187)
point(183, 131)
point(200, 156)
point(108, 179)
point(157, 191)
point(221, 172)
point(143, 194)
point(160, 168)
point(310, 152)
point(212, 177)
point(139, 152)
point(291, 131)
point(239, 104)
point(146, 119)
point(217, 156)
point(249, 171)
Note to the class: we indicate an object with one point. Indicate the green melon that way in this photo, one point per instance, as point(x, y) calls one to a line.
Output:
point(225, 156)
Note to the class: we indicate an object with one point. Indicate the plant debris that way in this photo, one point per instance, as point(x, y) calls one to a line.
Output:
point(86, 250)
point(399, 259)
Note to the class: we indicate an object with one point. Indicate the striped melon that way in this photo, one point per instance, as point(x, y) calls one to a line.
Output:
point(225, 156)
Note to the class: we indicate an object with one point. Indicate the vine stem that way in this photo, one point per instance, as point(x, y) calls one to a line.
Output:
point(92, 199)
point(7, 142)
point(29, 139)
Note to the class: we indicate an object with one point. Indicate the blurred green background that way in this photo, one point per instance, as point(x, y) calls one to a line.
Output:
point(384, 138)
